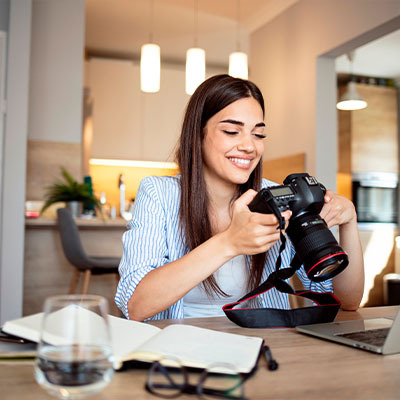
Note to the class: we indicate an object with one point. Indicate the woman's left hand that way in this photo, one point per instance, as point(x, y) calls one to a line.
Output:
point(337, 210)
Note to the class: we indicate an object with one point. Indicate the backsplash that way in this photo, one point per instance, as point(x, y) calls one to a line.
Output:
point(105, 179)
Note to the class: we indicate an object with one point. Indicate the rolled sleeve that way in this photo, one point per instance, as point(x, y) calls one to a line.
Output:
point(322, 287)
point(144, 244)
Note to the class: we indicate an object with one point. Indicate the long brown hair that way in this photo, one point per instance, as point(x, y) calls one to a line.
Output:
point(210, 97)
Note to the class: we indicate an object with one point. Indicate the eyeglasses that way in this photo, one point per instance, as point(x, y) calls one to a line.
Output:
point(168, 378)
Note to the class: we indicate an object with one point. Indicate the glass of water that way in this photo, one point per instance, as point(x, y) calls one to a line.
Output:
point(74, 353)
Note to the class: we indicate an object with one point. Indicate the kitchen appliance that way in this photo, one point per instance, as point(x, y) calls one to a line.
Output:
point(375, 196)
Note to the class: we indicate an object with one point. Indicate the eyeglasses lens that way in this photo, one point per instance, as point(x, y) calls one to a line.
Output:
point(167, 378)
point(221, 381)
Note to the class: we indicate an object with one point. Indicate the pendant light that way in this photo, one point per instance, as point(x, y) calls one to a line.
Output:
point(195, 61)
point(150, 64)
point(351, 100)
point(238, 66)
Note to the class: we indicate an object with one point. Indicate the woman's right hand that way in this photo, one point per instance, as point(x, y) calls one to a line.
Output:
point(251, 232)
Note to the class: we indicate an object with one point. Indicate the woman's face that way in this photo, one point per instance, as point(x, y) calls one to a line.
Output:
point(233, 143)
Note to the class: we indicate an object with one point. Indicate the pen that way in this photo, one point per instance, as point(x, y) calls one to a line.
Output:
point(11, 340)
point(271, 362)
point(4, 337)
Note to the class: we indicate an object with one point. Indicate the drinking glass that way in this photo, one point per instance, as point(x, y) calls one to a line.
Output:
point(74, 353)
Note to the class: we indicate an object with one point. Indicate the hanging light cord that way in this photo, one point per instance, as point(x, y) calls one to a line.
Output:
point(151, 19)
point(350, 56)
point(195, 22)
point(237, 25)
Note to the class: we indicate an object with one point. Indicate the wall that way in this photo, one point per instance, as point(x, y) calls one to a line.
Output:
point(4, 22)
point(4, 17)
point(285, 55)
point(14, 161)
point(4, 14)
point(56, 93)
point(56, 74)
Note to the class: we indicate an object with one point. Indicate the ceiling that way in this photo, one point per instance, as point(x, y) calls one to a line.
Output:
point(379, 58)
point(121, 27)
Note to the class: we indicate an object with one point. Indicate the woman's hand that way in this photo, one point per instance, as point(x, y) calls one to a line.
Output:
point(337, 210)
point(250, 232)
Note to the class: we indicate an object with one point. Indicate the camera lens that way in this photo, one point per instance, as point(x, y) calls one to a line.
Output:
point(316, 247)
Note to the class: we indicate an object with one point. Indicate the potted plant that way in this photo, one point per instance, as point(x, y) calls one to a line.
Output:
point(70, 191)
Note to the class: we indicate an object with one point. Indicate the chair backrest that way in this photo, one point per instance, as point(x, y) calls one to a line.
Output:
point(71, 241)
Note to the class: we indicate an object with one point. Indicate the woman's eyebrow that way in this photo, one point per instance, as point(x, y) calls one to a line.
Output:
point(240, 123)
point(232, 121)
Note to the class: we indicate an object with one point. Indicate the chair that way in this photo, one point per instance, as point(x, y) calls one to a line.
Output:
point(76, 255)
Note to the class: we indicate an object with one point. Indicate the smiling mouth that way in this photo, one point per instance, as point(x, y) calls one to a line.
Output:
point(240, 161)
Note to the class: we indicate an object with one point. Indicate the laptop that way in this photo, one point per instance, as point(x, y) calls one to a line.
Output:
point(379, 335)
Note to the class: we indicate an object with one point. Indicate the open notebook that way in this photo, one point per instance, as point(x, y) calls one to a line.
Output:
point(131, 340)
point(380, 335)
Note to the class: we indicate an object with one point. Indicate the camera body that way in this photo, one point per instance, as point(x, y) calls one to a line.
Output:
point(315, 245)
point(300, 193)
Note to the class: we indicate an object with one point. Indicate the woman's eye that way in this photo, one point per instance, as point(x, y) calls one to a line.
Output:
point(260, 135)
point(230, 132)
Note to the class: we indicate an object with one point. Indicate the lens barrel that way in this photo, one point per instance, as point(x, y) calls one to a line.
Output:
point(316, 247)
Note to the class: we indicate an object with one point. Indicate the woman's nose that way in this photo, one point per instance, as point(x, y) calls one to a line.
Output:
point(246, 143)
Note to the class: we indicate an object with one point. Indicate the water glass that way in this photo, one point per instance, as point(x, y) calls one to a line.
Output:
point(74, 353)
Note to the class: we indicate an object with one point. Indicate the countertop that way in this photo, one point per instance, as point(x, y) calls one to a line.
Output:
point(82, 223)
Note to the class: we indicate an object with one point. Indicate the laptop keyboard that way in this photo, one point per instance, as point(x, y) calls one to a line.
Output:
point(375, 337)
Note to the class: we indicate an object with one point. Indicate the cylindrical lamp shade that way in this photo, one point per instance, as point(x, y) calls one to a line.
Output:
point(150, 66)
point(195, 68)
point(238, 65)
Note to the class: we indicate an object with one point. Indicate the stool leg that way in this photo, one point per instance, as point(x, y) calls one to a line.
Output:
point(74, 281)
point(88, 273)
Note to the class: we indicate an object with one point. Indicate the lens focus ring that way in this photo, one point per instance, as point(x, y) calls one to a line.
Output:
point(314, 241)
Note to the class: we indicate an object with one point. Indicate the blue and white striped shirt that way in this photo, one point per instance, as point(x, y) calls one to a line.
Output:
point(154, 239)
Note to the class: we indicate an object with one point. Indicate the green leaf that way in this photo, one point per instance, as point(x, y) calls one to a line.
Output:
point(69, 189)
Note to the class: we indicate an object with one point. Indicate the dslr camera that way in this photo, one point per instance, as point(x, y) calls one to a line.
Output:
point(315, 245)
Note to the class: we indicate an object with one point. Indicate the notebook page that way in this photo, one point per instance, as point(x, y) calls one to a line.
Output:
point(127, 335)
point(199, 347)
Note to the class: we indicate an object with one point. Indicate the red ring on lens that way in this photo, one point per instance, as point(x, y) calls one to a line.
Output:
point(323, 259)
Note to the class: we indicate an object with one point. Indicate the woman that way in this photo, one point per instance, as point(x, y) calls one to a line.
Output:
point(193, 244)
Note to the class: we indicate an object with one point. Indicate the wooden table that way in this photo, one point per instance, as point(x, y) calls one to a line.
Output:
point(309, 368)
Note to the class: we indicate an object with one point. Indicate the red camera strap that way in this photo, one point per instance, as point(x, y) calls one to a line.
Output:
point(325, 310)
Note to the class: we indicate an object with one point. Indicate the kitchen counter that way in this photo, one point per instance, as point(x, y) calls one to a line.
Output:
point(378, 245)
point(82, 223)
point(47, 272)
point(374, 226)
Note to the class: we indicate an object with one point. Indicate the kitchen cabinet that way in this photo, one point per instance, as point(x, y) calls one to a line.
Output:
point(129, 124)
point(367, 139)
